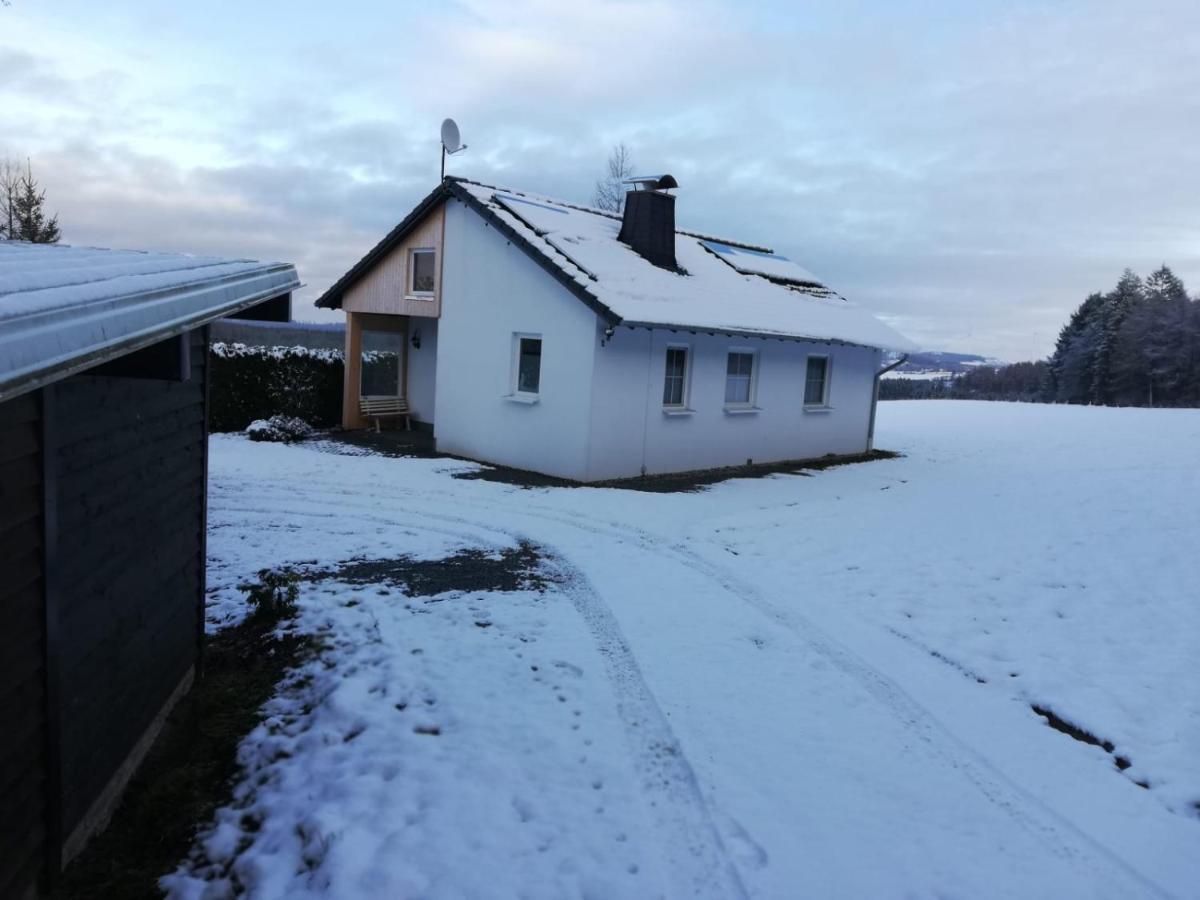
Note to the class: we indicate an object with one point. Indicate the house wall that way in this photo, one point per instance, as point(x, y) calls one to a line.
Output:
point(492, 290)
point(599, 411)
point(629, 429)
point(24, 774)
point(384, 288)
point(422, 370)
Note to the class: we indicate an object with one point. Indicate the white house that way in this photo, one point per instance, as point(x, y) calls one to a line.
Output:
point(560, 339)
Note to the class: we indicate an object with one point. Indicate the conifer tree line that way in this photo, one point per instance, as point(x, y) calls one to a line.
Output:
point(23, 207)
point(1137, 345)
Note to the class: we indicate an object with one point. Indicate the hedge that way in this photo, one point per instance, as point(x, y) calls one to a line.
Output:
point(250, 383)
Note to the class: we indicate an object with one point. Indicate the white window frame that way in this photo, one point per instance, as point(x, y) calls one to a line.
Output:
point(411, 274)
point(686, 387)
point(824, 402)
point(751, 401)
point(515, 393)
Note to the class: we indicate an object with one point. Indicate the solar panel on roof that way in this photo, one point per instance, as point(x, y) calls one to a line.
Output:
point(759, 262)
point(506, 198)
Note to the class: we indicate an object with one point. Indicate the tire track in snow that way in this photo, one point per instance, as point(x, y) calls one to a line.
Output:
point(1019, 804)
point(699, 863)
point(1059, 834)
point(662, 762)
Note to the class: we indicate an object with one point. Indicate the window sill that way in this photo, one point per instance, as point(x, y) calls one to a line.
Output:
point(527, 399)
point(677, 411)
point(741, 409)
point(426, 297)
point(818, 409)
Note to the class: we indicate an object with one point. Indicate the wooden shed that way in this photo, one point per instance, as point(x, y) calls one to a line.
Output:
point(103, 437)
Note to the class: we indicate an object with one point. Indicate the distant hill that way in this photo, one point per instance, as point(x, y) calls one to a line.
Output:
point(941, 364)
point(948, 362)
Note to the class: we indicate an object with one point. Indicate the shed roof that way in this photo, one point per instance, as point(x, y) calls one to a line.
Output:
point(64, 309)
point(724, 286)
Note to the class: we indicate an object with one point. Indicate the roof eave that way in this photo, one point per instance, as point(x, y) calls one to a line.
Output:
point(534, 252)
point(332, 298)
point(99, 338)
point(759, 335)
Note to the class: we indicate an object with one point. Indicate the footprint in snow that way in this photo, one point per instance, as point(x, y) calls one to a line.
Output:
point(522, 808)
point(744, 848)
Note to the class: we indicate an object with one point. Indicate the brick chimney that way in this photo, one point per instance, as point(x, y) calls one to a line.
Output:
point(648, 225)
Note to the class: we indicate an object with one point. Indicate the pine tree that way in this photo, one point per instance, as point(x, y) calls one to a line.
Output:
point(1116, 306)
point(1132, 382)
point(1191, 391)
point(1152, 363)
point(1073, 361)
point(1167, 349)
point(31, 223)
point(10, 178)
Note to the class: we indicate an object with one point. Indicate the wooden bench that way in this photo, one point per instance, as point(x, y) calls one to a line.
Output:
point(378, 408)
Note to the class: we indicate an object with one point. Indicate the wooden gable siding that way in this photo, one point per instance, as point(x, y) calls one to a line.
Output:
point(383, 289)
point(129, 455)
point(23, 763)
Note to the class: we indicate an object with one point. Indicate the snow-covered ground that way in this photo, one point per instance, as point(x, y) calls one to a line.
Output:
point(790, 686)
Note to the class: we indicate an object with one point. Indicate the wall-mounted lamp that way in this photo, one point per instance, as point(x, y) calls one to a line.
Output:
point(416, 339)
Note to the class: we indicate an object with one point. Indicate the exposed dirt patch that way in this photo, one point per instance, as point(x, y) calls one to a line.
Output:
point(190, 770)
point(391, 441)
point(1086, 737)
point(399, 443)
point(517, 477)
point(676, 483)
point(1054, 720)
point(940, 657)
point(514, 569)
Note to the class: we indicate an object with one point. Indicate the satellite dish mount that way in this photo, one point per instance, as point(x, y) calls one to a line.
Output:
point(451, 142)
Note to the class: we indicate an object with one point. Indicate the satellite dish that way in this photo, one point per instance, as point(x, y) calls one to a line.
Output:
point(451, 139)
point(451, 142)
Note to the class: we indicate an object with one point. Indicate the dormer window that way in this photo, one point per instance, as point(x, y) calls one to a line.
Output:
point(422, 266)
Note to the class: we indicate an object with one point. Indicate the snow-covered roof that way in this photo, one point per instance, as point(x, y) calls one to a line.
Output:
point(724, 286)
point(64, 309)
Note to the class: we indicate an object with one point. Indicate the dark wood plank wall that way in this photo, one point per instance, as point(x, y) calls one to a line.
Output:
point(23, 767)
point(130, 458)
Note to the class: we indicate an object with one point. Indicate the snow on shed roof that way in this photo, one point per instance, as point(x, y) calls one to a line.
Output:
point(64, 309)
point(728, 286)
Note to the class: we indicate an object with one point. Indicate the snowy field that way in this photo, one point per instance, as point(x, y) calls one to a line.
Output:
point(791, 686)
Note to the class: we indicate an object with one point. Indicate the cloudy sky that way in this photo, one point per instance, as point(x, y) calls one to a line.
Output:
point(970, 171)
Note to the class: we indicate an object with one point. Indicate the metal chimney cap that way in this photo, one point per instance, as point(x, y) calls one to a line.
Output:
point(653, 182)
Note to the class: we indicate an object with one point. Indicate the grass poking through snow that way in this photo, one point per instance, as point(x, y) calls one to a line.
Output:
point(190, 770)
